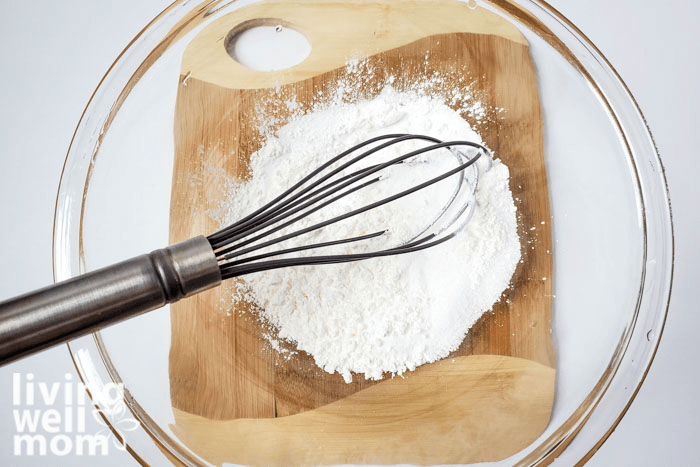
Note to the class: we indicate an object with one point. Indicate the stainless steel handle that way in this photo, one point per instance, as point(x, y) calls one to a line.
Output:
point(83, 304)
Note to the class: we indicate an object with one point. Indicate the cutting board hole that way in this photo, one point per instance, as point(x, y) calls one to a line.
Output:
point(267, 45)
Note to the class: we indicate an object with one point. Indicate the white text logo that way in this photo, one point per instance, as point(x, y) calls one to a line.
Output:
point(50, 417)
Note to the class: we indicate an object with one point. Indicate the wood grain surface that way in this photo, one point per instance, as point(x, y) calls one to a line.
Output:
point(400, 420)
point(223, 368)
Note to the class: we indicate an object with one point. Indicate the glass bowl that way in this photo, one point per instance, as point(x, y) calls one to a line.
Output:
point(611, 227)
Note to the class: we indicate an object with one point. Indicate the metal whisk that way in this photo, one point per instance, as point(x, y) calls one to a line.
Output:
point(255, 243)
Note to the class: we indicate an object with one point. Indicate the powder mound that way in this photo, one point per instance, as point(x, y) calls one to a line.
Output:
point(392, 314)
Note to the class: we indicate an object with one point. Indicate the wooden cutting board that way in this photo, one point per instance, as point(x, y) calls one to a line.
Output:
point(236, 399)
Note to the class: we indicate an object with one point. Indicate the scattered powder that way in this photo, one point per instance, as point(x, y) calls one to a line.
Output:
point(384, 315)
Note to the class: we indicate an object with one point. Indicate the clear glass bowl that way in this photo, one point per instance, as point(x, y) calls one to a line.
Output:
point(611, 227)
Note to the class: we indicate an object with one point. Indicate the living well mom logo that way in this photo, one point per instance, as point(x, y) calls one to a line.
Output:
point(50, 418)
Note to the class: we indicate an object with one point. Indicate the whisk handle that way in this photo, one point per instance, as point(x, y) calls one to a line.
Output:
point(83, 304)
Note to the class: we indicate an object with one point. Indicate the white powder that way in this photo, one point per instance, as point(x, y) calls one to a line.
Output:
point(387, 314)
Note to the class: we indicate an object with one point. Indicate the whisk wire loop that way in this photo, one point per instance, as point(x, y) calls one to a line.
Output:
point(319, 190)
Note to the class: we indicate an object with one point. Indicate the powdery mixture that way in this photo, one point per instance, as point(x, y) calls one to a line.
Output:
point(388, 314)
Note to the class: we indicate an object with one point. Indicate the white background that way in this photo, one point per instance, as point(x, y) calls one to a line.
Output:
point(53, 55)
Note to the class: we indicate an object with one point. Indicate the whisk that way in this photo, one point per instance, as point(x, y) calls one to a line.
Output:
point(260, 241)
